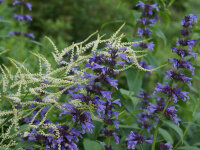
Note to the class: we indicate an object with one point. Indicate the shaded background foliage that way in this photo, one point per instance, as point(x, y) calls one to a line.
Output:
point(67, 21)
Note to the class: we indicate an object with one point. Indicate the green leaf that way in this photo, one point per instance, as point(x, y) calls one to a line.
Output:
point(159, 33)
point(133, 126)
point(197, 144)
point(134, 79)
point(165, 17)
point(91, 145)
point(170, 3)
point(163, 2)
point(124, 92)
point(152, 60)
point(176, 128)
point(188, 148)
point(166, 135)
point(27, 144)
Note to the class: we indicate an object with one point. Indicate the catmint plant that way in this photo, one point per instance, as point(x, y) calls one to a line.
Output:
point(148, 18)
point(180, 66)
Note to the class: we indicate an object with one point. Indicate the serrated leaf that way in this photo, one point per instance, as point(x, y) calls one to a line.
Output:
point(166, 135)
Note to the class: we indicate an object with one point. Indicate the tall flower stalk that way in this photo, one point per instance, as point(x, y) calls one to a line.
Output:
point(148, 18)
point(22, 19)
point(176, 74)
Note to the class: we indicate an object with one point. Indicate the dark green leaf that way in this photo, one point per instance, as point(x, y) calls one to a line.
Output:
point(159, 33)
point(166, 135)
point(91, 145)
point(188, 148)
point(134, 79)
point(176, 128)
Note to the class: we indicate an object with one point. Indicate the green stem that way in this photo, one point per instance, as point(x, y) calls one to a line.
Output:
point(158, 125)
point(8, 118)
point(141, 147)
point(108, 141)
point(71, 126)
point(134, 83)
point(21, 37)
point(188, 126)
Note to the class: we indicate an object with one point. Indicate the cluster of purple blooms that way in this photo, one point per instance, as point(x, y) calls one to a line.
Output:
point(148, 18)
point(42, 113)
point(97, 95)
point(145, 117)
point(181, 65)
point(177, 73)
point(68, 138)
point(22, 17)
point(172, 94)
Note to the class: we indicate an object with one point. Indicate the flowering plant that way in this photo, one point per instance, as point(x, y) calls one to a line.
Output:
point(78, 98)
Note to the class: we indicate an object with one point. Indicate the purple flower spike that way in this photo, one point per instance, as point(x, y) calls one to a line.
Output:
point(183, 53)
point(182, 64)
point(79, 116)
point(187, 22)
point(147, 9)
point(111, 133)
point(144, 32)
point(170, 112)
point(184, 42)
point(174, 92)
point(177, 76)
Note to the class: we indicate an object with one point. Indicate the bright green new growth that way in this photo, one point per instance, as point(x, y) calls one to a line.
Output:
point(20, 88)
